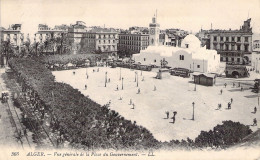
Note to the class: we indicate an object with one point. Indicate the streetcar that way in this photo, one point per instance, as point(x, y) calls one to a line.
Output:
point(182, 72)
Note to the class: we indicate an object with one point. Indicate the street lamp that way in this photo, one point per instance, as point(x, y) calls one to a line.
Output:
point(122, 83)
point(106, 79)
point(137, 80)
point(135, 76)
point(120, 74)
point(193, 104)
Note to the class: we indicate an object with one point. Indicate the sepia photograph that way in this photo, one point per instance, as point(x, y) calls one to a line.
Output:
point(129, 79)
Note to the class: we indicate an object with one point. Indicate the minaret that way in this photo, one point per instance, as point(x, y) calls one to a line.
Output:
point(154, 31)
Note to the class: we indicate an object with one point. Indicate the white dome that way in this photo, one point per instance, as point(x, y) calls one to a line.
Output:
point(191, 42)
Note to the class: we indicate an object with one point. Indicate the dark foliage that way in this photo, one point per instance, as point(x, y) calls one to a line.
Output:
point(75, 118)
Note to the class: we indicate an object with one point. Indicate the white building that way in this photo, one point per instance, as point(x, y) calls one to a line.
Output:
point(256, 54)
point(190, 55)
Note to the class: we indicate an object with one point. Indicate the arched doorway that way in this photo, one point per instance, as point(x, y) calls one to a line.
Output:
point(235, 74)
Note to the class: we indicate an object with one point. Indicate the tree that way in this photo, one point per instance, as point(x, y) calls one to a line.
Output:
point(223, 135)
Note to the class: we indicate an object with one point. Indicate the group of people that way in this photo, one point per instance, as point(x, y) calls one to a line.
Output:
point(173, 117)
point(231, 101)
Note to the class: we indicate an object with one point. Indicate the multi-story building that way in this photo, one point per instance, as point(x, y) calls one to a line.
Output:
point(100, 40)
point(14, 36)
point(133, 42)
point(256, 53)
point(45, 32)
point(234, 46)
point(171, 39)
point(76, 34)
point(1, 34)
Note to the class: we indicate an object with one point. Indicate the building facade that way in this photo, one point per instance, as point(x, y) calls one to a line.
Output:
point(100, 40)
point(190, 56)
point(76, 34)
point(234, 46)
point(14, 36)
point(134, 42)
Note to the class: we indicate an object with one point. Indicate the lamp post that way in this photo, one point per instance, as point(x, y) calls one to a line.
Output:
point(135, 76)
point(122, 83)
point(193, 104)
point(137, 79)
point(106, 79)
point(120, 74)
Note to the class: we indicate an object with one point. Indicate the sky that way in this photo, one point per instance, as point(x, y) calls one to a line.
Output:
point(190, 15)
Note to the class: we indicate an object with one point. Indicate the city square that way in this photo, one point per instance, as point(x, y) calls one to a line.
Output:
point(172, 94)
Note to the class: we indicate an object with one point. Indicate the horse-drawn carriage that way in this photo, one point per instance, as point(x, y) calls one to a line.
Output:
point(4, 96)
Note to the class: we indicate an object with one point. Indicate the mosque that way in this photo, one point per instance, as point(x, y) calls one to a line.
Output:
point(190, 55)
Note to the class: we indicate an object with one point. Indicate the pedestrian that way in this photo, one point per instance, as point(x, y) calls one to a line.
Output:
point(167, 114)
point(130, 103)
point(255, 109)
point(233, 84)
point(74, 72)
point(133, 106)
point(225, 85)
point(173, 119)
point(242, 89)
point(117, 87)
point(221, 91)
point(87, 76)
point(219, 106)
point(229, 105)
point(138, 91)
point(254, 122)
point(154, 88)
point(231, 100)
point(120, 98)
point(86, 87)
point(93, 70)
point(143, 79)
point(98, 70)
point(109, 80)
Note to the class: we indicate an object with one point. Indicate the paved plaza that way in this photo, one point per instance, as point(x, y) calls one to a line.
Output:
point(171, 94)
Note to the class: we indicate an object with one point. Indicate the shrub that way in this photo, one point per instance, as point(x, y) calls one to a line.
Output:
point(223, 135)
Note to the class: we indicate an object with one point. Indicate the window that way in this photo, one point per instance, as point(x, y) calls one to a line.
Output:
point(238, 59)
point(154, 60)
point(246, 47)
point(238, 47)
point(215, 46)
point(221, 59)
point(227, 39)
point(221, 38)
point(232, 59)
point(144, 59)
point(232, 47)
point(233, 39)
point(187, 45)
point(227, 47)
point(238, 39)
point(198, 66)
point(226, 59)
point(221, 46)
point(182, 57)
point(246, 39)
point(215, 38)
